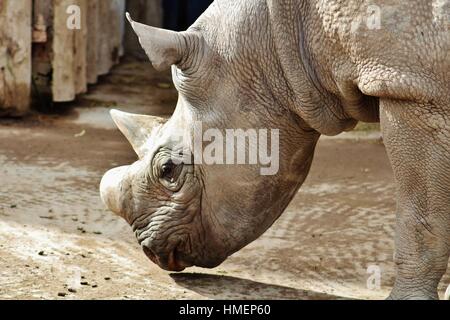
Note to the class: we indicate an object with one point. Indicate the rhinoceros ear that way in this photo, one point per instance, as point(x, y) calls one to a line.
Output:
point(136, 128)
point(163, 47)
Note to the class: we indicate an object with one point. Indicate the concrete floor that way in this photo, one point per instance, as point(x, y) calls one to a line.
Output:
point(55, 234)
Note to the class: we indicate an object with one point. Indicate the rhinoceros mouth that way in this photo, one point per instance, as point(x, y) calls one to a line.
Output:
point(171, 262)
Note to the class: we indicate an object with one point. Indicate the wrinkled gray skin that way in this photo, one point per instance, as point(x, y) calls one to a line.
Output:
point(299, 67)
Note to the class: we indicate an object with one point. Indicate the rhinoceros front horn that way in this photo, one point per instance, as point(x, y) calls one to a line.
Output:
point(163, 47)
point(136, 128)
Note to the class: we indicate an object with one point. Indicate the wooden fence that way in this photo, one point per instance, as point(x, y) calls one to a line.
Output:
point(41, 56)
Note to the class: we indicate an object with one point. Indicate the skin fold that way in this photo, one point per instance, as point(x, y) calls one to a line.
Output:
point(306, 68)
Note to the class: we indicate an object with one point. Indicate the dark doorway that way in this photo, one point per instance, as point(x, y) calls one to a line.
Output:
point(181, 14)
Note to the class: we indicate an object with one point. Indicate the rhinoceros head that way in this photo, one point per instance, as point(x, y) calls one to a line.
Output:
point(187, 211)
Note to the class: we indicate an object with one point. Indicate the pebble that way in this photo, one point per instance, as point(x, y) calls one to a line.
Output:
point(62, 294)
point(47, 217)
point(163, 85)
point(81, 134)
point(72, 290)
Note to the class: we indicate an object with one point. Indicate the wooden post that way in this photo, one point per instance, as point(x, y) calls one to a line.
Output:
point(63, 84)
point(15, 56)
point(80, 50)
point(93, 38)
point(42, 53)
point(103, 44)
point(120, 14)
point(69, 52)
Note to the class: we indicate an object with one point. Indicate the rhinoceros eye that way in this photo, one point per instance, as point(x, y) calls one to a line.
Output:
point(170, 171)
point(167, 170)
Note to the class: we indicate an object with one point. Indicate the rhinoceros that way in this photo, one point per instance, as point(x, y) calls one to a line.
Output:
point(307, 68)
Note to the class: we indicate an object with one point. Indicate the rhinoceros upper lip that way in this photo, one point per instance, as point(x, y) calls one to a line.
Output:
point(173, 264)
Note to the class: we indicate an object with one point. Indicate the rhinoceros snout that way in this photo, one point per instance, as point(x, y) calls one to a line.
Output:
point(110, 190)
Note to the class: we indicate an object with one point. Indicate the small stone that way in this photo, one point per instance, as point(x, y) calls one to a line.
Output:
point(163, 85)
point(81, 134)
point(94, 286)
point(62, 294)
point(13, 206)
point(47, 217)
point(84, 283)
point(107, 278)
point(42, 253)
point(72, 290)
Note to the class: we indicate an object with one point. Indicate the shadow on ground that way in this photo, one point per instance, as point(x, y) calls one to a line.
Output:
point(219, 287)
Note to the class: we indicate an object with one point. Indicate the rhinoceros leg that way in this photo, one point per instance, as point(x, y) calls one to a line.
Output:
point(417, 138)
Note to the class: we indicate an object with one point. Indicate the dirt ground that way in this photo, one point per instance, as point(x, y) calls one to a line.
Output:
point(57, 241)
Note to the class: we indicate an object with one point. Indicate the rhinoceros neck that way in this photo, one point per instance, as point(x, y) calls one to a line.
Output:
point(319, 108)
point(267, 48)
